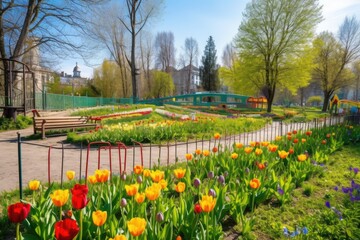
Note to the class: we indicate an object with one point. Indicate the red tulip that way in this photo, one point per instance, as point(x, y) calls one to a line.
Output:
point(66, 229)
point(79, 199)
point(18, 212)
point(197, 208)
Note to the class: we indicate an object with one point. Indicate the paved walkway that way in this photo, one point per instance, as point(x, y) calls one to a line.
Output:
point(35, 154)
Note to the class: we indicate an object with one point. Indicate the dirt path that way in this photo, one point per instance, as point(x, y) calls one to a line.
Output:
point(35, 154)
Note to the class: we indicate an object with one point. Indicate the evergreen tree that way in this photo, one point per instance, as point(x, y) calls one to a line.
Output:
point(209, 69)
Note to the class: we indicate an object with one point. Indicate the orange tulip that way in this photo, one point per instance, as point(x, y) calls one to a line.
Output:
point(215, 149)
point(308, 133)
point(163, 183)
point(179, 173)
point(239, 145)
point(207, 203)
point(265, 144)
point(132, 189)
point(188, 156)
point(323, 142)
point(140, 197)
point(198, 151)
point(180, 187)
point(303, 140)
point(272, 147)
point(138, 169)
point(234, 155)
point(102, 175)
point(255, 183)
point(296, 140)
point(136, 226)
point(118, 237)
point(59, 197)
point(217, 136)
point(294, 132)
point(291, 151)
point(206, 153)
point(99, 217)
point(157, 175)
point(248, 150)
point(34, 185)
point(283, 154)
point(252, 144)
point(261, 166)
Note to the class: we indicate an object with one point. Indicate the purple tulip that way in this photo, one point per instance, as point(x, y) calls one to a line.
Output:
point(280, 191)
point(210, 175)
point(139, 179)
point(221, 179)
point(197, 182)
point(123, 202)
point(336, 188)
point(356, 170)
point(123, 177)
point(327, 204)
point(159, 217)
point(212, 193)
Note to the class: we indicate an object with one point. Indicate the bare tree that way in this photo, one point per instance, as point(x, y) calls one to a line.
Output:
point(165, 51)
point(137, 15)
point(229, 55)
point(53, 25)
point(146, 54)
point(191, 58)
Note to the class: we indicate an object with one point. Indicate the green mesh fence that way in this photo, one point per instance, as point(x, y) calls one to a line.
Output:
point(50, 101)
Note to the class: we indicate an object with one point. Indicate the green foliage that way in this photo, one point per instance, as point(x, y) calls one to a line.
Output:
point(20, 123)
point(314, 100)
point(162, 84)
point(209, 69)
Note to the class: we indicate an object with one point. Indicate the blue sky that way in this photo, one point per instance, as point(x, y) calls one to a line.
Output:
point(219, 18)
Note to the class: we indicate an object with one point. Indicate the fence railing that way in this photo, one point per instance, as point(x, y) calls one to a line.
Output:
point(50, 101)
point(123, 158)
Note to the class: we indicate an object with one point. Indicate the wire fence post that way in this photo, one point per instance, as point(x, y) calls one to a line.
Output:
point(20, 164)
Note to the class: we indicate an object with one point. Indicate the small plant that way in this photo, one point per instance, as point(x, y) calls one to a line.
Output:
point(308, 190)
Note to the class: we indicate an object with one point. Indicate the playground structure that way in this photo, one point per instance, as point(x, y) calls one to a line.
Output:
point(17, 88)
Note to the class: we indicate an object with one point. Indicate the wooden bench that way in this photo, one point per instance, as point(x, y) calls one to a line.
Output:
point(43, 124)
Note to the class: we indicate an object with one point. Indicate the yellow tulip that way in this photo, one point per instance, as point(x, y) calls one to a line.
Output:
point(92, 179)
point(301, 157)
point(234, 155)
point(239, 145)
point(152, 192)
point(59, 197)
point(272, 147)
point(34, 185)
point(70, 175)
point(180, 187)
point(99, 217)
point(136, 226)
point(258, 151)
point(163, 183)
point(217, 136)
point(146, 172)
point(248, 150)
point(206, 153)
point(207, 203)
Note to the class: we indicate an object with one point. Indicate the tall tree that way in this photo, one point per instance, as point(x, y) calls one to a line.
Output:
point(105, 79)
point(209, 68)
point(162, 84)
point(41, 21)
point(356, 71)
point(191, 52)
point(334, 56)
point(273, 40)
point(229, 55)
point(165, 51)
point(137, 16)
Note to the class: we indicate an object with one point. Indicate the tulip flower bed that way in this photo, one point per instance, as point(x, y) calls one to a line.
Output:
point(146, 131)
point(192, 200)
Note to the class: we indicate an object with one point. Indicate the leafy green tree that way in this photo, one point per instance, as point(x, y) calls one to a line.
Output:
point(333, 57)
point(273, 45)
point(162, 84)
point(106, 79)
point(209, 69)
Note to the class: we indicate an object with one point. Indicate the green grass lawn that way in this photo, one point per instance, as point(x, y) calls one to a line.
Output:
point(307, 208)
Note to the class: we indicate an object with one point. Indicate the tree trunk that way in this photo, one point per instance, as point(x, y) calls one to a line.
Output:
point(326, 101)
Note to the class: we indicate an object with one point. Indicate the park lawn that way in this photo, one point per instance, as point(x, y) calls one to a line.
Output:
point(307, 208)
